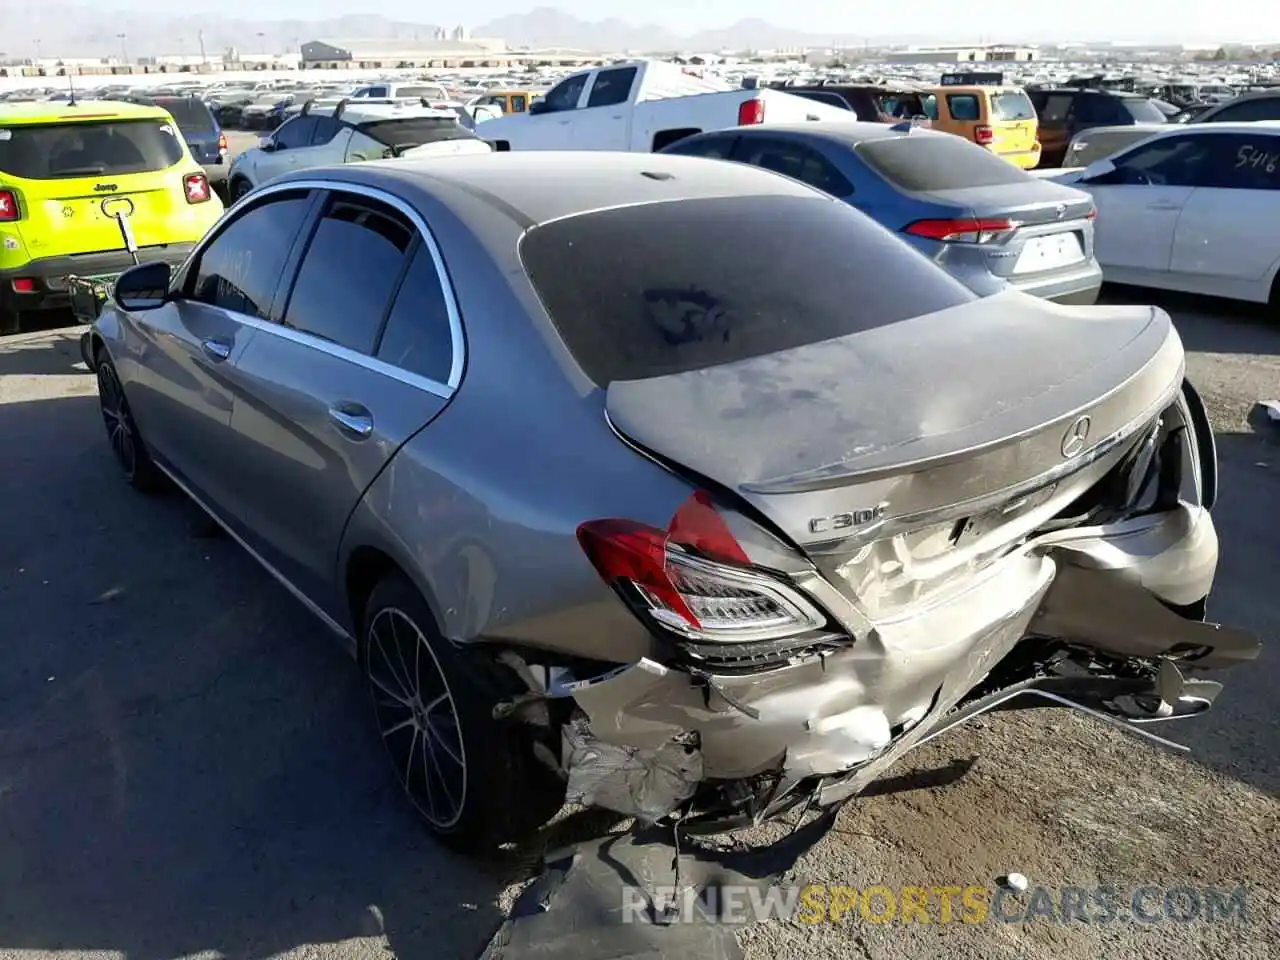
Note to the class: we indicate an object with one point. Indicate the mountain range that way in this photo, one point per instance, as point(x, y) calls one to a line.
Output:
point(60, 29)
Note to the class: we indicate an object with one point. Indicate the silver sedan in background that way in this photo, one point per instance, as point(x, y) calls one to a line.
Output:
point(666, 484)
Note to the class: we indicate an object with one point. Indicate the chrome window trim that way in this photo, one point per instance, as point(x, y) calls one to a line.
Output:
point(458, 362)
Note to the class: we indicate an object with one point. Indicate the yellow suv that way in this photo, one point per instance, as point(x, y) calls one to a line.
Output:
point(77, 179)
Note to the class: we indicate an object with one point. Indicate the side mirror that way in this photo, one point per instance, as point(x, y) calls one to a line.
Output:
point(143, 287)
point(539, 106)
point(266, 144)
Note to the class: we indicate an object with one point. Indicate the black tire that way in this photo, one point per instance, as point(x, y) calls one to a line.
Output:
point(122, 432)
point(240, 187)
point(10, 321)
point(474, 780)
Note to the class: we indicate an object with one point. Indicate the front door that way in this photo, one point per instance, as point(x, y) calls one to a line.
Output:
point(183, 394)
point(336, 383)
point(604, 123)
point(291, 144)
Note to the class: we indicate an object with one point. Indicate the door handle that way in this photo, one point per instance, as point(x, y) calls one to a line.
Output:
point(215, 349)
point(356, 422)
point(1163, 205)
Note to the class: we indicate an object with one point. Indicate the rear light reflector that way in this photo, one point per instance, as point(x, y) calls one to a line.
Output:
point(196, 187)
point(983, 136)
point(962, 230)
point(670, 578)
point(750, 112)
point(9, 207)
point(24, 285)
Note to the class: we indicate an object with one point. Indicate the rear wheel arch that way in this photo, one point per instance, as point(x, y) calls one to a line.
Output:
point(366, 567)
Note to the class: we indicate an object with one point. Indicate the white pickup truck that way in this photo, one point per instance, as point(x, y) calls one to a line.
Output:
point(641, 106)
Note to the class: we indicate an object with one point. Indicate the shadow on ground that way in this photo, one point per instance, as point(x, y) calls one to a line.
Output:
point(185, 758)
point(48, 354)
point(1210, 324)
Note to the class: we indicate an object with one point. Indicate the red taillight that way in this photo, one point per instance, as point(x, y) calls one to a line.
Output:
point(24, 285)
point(9, 207)
point(196, 186)
point(983, 136)
point(962, 230)
point(694, 578)
point(750, 112)
point(223, 146)
point(1093, 213)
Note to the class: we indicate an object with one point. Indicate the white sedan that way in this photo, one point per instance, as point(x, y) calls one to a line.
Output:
point(1193, 208)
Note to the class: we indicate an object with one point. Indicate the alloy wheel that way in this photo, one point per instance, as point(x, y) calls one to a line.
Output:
point(417, 717)
point(118, 421)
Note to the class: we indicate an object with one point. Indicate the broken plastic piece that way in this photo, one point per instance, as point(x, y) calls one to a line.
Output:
point(645, 784)
point(1271, 408)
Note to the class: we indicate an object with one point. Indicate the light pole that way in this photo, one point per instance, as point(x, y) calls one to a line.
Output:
point(200, 37)
point(262, 44)
point(124, 51)
point(39, 56)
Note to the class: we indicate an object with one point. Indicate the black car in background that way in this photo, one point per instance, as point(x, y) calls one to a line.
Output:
point(1064, 111)
point(202, 131)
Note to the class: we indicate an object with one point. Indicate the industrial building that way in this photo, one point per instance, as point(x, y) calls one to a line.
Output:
point(964, 54)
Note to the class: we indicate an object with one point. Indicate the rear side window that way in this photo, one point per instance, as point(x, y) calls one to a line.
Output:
point(1142, 111)
point(417, 337)
point(415, 131)
point(793, 160)
point(349, 272)
point(241, 266)
point(963, 106)
point(661, 288)
point(941, 162)
point(1056, 107)
point(59, 151)
point(611, 87)
point(715, 147)
point(1012, 105)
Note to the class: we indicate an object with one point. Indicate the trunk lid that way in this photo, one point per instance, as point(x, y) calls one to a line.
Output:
point(1032, 202)
point(938, 415)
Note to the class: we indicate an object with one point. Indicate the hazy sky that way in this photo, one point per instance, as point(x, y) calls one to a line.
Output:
point(1114, 19)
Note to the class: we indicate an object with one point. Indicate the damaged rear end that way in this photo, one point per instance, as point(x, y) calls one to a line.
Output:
point(891, 528)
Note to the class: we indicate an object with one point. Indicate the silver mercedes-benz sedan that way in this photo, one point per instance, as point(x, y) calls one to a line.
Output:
point(669, 485)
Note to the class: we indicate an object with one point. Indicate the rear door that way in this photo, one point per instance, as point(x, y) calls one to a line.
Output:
point(604, 120)
point(183, 394)
point(69, 175)
point(1227, 231)
point(1054, 129)
point(358, 359)
point(793, 159)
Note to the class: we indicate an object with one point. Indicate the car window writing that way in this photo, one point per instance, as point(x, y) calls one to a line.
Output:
point(611, 87)
point(418, 337)
point(1245, 162)
point(240, 268)
point(348, 272)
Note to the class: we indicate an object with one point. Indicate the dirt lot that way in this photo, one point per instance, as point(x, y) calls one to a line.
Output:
point(186, 765)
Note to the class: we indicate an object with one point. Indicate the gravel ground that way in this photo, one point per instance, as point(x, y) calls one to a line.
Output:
point(187, 769)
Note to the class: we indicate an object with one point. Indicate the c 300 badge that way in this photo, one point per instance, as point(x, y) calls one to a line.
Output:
point(848, 521)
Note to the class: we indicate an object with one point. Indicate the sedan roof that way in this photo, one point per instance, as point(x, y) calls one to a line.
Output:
point(533, 187)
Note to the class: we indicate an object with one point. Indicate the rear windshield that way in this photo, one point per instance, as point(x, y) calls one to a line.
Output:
point(1142, 111)
point(429, 92)
point(1012, 105)
point(661, 288)
point(415, 131)
point(191, 115)
point(920, 162)
point(59, 151)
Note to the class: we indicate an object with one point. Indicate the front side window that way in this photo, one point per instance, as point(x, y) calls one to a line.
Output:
point(1182, 161)
point(565, 94)
point(295, 133)
point(717, 148)
point(660, 288)
point(58, 151)
point(612, 87)
point(417, 337)
point(1263, 108)
point(241, 266)
point(349, 272)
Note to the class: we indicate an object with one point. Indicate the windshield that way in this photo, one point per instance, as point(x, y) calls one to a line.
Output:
point(920, 162)
point(1143, 111)
point(58, 151)
point(271, 98)
point(192, 115)
point(431, 93)
point(659, 288)
point(415, 131)
point(1012, 105)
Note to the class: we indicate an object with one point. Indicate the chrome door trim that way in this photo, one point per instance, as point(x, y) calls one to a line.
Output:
point(458, 363)
point(284, 581)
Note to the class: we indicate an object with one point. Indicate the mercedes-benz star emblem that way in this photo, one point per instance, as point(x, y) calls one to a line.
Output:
point(1076, 438)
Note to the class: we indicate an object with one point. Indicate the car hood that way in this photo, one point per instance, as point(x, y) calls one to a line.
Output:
point(915, 416)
